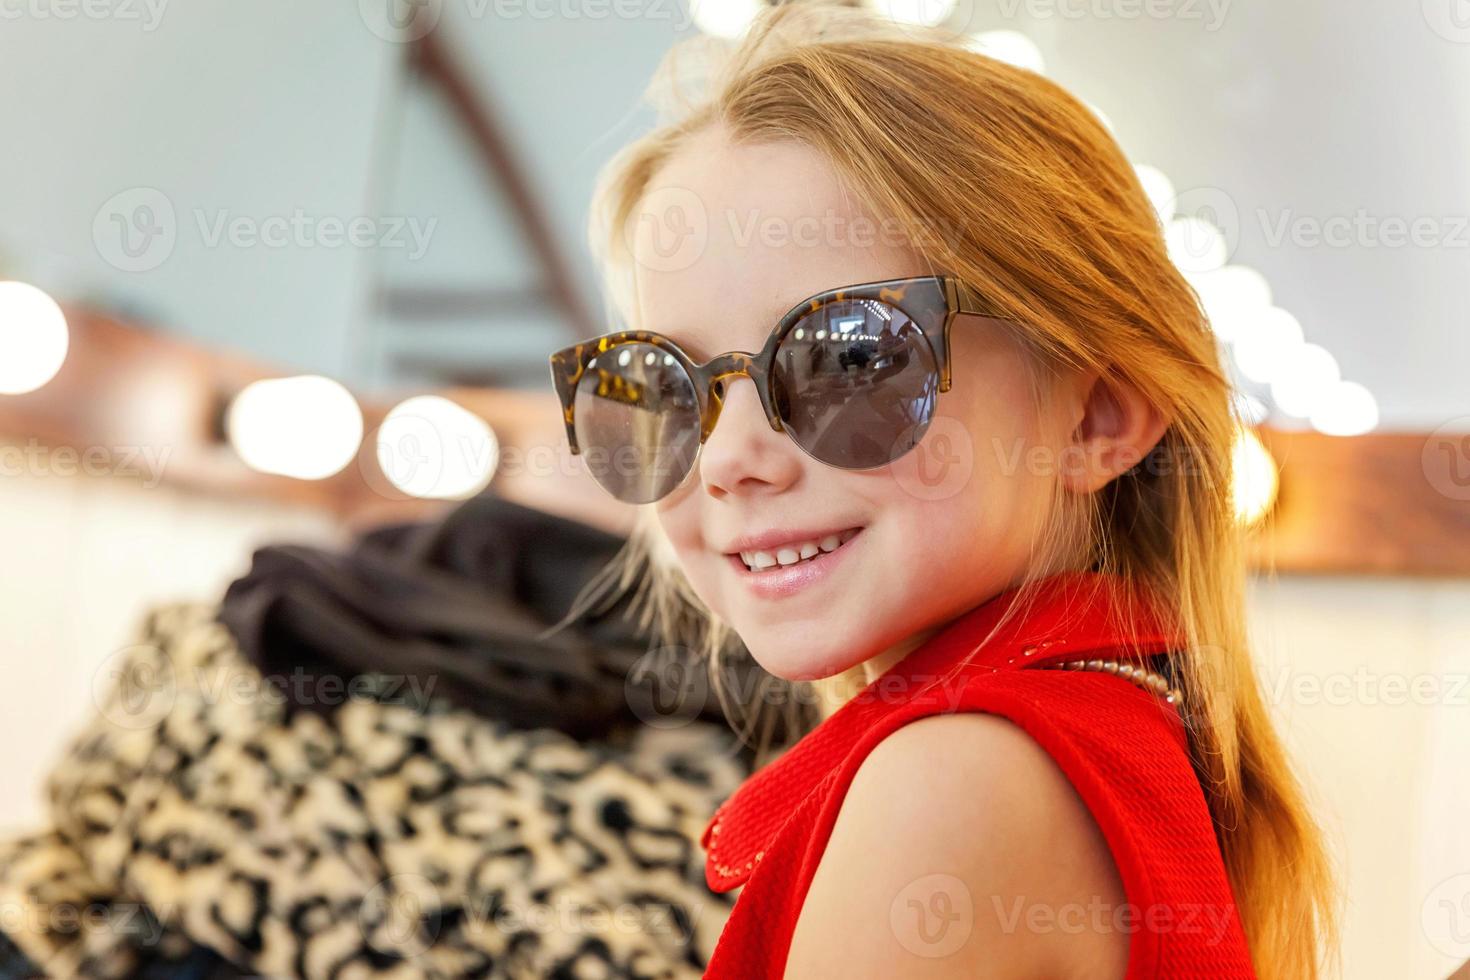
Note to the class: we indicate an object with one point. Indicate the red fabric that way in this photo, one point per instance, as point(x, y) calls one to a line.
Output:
point(1122, 748)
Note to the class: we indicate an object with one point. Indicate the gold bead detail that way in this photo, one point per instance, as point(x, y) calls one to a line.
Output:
point(1146, 679)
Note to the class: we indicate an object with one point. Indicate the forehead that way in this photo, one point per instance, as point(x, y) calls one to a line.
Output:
point(731, 236)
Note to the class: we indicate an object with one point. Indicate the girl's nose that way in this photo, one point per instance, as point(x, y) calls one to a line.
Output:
point(744, 454)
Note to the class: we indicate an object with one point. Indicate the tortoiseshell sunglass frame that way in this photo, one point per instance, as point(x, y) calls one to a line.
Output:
point(931, 302)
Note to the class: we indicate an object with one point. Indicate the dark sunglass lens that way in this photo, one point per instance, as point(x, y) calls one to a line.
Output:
point(637, 422)
point(855, 383)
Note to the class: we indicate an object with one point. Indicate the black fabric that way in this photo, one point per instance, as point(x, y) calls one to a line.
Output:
point(455, 608)
point(192, 963)
point(13, 963)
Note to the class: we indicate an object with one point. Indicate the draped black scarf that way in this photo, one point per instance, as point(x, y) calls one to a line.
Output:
point(456, 609)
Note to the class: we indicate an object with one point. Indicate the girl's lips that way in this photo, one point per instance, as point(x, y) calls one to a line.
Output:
point(786, 580)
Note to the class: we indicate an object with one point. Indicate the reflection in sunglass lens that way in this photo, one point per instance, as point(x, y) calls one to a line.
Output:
point(637, 421)
point(855, 383)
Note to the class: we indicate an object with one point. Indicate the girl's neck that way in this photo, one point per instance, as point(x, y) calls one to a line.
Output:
point(875, 666)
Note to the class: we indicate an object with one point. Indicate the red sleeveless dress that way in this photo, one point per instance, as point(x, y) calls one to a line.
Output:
point(1122, 747)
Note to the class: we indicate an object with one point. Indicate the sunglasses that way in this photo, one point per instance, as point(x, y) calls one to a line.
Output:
point(850, 374)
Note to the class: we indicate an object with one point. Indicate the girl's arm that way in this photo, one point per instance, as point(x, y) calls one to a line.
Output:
point(961, 850)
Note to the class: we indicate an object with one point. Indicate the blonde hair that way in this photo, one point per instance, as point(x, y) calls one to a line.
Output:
point(1016, 187)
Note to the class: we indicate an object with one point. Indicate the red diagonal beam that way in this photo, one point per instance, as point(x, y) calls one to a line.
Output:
point(437, 63)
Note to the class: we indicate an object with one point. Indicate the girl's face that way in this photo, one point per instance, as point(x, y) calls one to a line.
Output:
point(923, 539)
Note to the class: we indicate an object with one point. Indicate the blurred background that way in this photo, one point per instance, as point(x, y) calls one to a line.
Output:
point(281, 271)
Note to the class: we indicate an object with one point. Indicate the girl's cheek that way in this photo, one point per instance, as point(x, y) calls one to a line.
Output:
point(679, 524)
point(702, 568)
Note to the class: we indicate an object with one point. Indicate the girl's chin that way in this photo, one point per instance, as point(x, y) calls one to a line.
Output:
point(804, 665)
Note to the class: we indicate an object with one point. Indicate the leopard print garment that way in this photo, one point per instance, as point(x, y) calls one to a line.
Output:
point(380, 839)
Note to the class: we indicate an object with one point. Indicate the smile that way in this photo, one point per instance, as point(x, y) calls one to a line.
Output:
point(786, 569)
point(796, 552)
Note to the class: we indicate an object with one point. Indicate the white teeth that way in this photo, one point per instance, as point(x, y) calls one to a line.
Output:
point(761, 559)
point(795, 552)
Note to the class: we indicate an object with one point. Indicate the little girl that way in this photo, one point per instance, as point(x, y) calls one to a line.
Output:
point(911, 391)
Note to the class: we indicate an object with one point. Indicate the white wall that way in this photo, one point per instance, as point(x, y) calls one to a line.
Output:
point(1371, 679)
point(83, 559)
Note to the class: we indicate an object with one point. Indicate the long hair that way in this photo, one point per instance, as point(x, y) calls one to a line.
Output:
point(1016, 187)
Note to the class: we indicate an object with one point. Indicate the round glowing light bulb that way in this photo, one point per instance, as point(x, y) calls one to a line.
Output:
point(1160, 190)
point(724, 18)
point(920, 13)
point(430, 447)
point(1233, 297)
point(307, 427)
point(33, 338)
point(1012, 47)
point(1255, 481)
point(1264, 343)
point(1345, 409)
point(1306, 375)
point(1195, 245)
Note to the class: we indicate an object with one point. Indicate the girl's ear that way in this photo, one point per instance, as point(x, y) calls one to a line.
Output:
point(1118, 428)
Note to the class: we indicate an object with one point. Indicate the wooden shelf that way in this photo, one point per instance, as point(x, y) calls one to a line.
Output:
point(1376, 504)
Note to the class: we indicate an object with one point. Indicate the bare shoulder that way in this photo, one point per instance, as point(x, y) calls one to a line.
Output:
point(961, 850)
